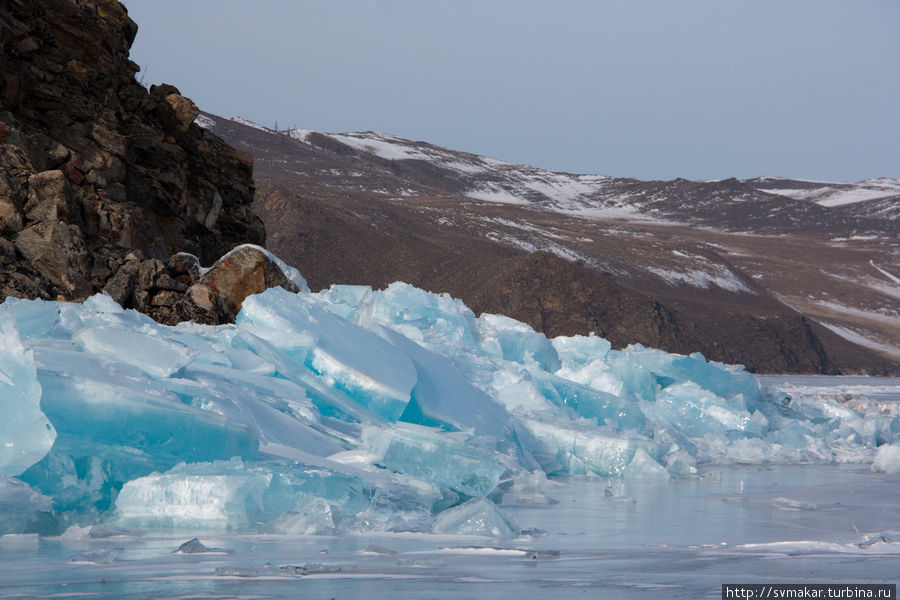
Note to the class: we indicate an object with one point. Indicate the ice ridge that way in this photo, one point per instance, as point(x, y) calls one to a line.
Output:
point(361, 409)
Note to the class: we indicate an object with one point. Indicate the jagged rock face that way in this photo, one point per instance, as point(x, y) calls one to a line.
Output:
point(97, 173)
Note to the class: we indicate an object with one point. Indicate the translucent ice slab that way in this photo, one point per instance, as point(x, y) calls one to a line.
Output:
point(283, 497)
point(26, 434)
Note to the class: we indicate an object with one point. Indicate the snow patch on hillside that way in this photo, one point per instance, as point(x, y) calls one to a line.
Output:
point(832, 194)
point(205, 122)
point(887, 274)
point(889, 317)
point(383, 146)
point(248, 123)
point(493, 193)
point(861, 340)
point(716, 275)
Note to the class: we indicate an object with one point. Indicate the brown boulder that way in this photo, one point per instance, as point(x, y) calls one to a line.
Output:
point(185, 109)
point(244, 271)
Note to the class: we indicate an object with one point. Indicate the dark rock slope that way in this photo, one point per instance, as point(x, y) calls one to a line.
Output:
point(101, 180)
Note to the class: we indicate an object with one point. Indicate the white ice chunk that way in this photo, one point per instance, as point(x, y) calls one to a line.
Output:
point(532, 489)
point(681, 464)
point(26, 434)
point(695, 411)
point(392, 518)
point(203, 501)
point(580, 349)
point(522, 395)
point(478, 516)
point(103, 303)
point(782, 503)
point(408, 309)
point(642, 466)
point(887, 459)
point(313, 518)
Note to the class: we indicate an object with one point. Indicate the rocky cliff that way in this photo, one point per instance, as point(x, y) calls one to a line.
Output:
point(102, 180)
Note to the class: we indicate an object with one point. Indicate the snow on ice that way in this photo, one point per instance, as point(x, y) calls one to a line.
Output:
point(360, 410)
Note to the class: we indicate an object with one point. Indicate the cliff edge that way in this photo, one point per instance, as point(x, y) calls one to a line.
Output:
point(99, 175)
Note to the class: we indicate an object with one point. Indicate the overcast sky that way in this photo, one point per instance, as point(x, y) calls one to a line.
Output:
point(655, 90)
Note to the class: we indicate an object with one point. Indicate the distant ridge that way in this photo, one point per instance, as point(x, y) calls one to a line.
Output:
point(728, 268)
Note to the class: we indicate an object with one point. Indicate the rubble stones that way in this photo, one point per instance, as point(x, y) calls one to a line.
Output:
point(176, 290)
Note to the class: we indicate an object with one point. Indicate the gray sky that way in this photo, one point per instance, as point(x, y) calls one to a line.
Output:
point(649, 89)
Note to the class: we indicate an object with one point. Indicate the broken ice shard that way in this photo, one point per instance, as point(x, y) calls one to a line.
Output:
point(478, 516)
point(115, 423)
point(442, 397)
point(195, 546)
point(578, 448)
point(428, 454)
point(26, 434)
point(371, 370)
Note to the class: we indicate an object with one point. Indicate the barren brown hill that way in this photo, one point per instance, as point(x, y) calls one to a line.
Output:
point(740, 274)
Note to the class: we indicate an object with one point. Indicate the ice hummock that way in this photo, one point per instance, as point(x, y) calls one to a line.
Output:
point(355, 409)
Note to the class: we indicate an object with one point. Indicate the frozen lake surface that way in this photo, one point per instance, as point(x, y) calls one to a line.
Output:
point(605, 538)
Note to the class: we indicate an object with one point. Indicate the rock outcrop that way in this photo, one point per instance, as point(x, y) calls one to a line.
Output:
point(181, 290)
point(102, 182)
